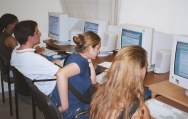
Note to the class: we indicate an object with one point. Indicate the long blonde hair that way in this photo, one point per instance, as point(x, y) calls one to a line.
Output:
point(124, 85)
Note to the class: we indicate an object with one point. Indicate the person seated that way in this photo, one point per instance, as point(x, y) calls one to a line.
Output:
point(79, 72)
point(7, 41)
point(29, 63)
point(122, 96)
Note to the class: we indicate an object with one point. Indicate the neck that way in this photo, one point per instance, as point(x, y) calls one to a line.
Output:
point(25, 46)
point(83, 55)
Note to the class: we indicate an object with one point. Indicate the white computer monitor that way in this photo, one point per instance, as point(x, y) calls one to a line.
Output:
point(179, 62)
point(137, 35)
point(58, 26)
point(75, 26)
point(98, 26)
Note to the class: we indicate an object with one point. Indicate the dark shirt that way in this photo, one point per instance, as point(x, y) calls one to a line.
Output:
point(132, 111)
point(80, 81)
point(4, 50)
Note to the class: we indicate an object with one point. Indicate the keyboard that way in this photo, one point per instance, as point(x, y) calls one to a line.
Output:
point(100, 78)
point(48, 52)
point(105, 64)
point(60, 63)
point(103, 54)
point(160, 110)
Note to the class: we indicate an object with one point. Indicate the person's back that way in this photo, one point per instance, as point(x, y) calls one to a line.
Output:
point(29, 63)
point(7, 42)
point(79, 73)
point(122, 96)
point(4, 50)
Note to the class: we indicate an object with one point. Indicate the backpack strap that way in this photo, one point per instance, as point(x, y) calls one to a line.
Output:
point(73, 90)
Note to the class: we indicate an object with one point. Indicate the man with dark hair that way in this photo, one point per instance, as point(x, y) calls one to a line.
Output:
point(30, 64)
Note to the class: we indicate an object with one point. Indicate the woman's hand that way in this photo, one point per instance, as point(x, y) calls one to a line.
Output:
point(93, 73)
point(142, 113)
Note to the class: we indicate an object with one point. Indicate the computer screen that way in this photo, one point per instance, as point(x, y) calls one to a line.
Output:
point(99, 27)
point(54, 25)
point(58, 26)
point(137, 35)
point(129, 37)
point(179, 62)
point(89, 26)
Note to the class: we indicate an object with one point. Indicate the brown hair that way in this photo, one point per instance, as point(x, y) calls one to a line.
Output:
point(124, 85)
point(86, 39)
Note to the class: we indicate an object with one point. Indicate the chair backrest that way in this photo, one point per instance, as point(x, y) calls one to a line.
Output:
point(44, 103)
point(20, 83)
point(5, 66)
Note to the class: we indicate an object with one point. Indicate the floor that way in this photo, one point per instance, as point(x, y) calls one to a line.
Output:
point(25, 111)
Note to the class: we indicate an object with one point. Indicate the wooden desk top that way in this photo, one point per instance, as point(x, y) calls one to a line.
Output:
point(51, 45)
point(152, 78)
point(171, 91)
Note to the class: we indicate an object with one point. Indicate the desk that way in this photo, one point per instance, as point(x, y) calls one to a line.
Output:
point(170, 91)
point(156, 82)
point(152, 78)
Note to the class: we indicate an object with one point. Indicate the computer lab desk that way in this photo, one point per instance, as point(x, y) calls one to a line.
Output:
point(157, 83)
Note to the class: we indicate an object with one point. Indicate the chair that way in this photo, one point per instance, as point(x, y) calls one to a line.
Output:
point(44, 103)
point(22, 91)
point(5, 77)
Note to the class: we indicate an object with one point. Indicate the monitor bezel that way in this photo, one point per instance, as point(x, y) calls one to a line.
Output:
point(173, 78)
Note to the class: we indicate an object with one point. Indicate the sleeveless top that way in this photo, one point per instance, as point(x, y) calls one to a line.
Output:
point(132, 111)
point(4, 50)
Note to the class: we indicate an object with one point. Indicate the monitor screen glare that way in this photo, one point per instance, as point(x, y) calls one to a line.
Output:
point(181, 60)
point(91, 27)
point(54, 25)
point(130, 38)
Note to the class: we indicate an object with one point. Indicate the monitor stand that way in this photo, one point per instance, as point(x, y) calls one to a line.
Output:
point(186, 92)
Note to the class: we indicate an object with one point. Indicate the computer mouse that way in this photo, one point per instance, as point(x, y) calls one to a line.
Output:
point(56, 56)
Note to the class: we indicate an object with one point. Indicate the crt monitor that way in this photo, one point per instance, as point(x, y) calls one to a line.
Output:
point(137, 35)
point(179, 62)
point(129, 37)
point(89, 26)
point(97, 26)
point(58, 26)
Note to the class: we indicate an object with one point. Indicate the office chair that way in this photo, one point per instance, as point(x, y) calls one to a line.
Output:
point(44, 103)
point(22, 91)
point(5, 77)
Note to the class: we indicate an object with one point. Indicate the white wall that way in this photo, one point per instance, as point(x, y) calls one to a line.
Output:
point(32, 10)
point(168, 16)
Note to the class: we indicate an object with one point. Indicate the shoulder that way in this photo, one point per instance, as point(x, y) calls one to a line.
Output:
point(76, 58)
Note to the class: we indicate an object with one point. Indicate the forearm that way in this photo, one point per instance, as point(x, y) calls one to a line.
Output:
point(62, 84)
point(93, 73)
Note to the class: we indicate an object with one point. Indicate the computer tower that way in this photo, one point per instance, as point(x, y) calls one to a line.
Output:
point(162, 63)
point(74, 33)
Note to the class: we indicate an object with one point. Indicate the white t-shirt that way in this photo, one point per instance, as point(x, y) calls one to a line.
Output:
point(35, 66)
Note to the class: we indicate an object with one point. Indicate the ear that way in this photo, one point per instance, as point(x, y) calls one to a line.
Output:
point(90, 48)
point(29, 38)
